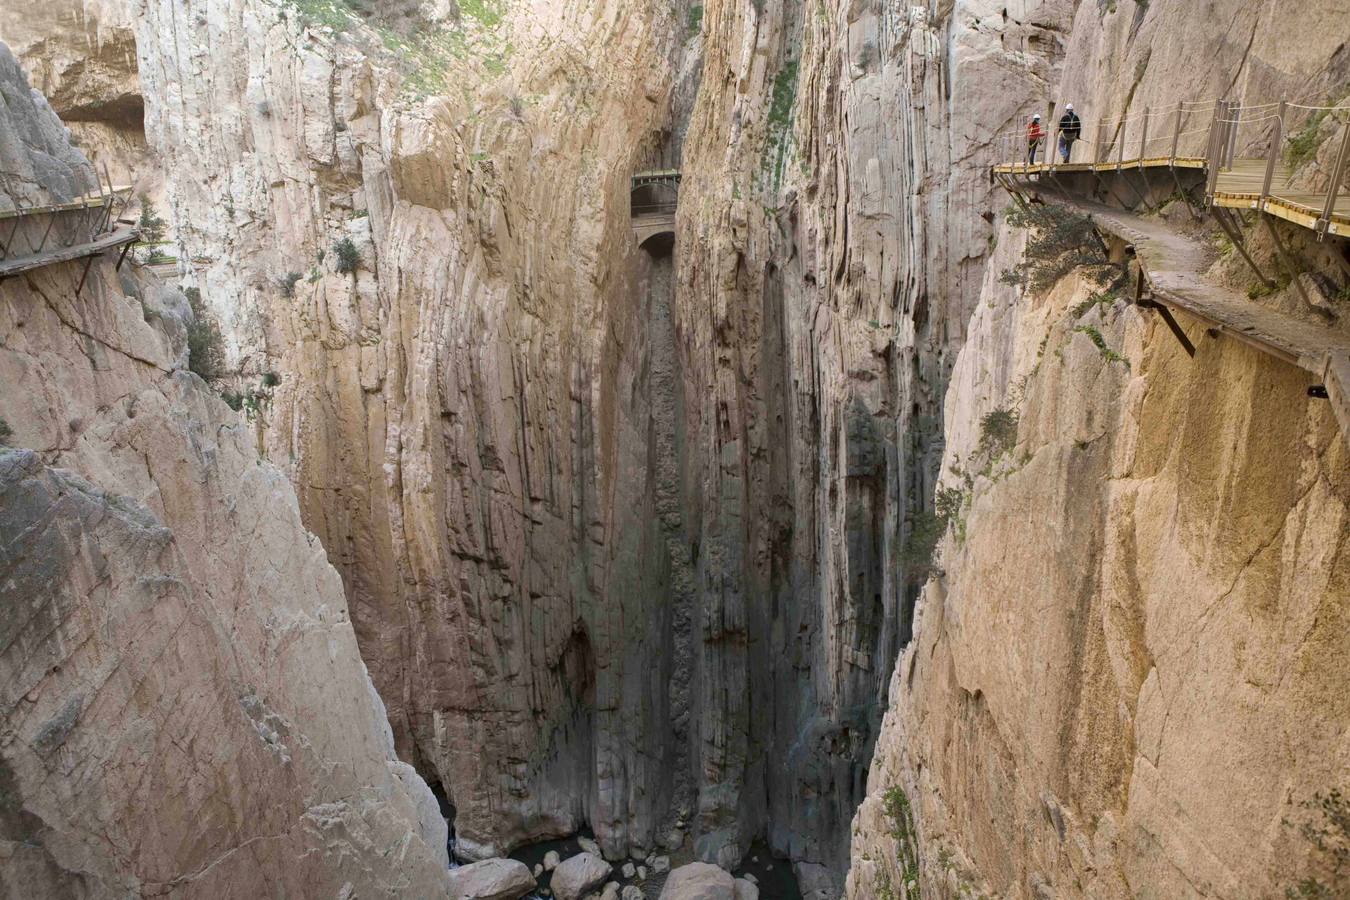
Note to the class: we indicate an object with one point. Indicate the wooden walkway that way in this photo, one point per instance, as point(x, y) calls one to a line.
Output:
point(88, 201)
point(1237, 187)
point(109, 241)
point(1240, 188)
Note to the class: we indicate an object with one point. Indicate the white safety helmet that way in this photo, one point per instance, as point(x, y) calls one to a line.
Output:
point(1068, 107)
point(1036, 118)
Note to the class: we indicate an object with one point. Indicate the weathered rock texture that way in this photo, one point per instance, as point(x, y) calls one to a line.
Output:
point(81, 55)
point(622, 531)
point(185, 712)
point(1130, 677)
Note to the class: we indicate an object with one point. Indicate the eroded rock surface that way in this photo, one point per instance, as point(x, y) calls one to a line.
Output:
point(185, 709)
point(1125, 680)
point(699, 881)
point(491, 879)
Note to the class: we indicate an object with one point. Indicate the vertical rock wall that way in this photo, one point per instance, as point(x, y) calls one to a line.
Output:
point(184, 708)
point(835, 217)
point(1128, 678)
point(616, 554)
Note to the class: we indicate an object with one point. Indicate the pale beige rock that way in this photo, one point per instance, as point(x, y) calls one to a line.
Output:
point(185, 709)
point(491, 879)
point(1111, 685)
point(579, 874)
point(699, 881)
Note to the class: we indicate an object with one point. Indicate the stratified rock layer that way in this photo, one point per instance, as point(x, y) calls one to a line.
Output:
point(185, 710)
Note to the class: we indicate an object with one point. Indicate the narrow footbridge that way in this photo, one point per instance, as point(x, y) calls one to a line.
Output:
point(1191, 151)
point(1206, 137)
point(55, 233)
point(654, 197)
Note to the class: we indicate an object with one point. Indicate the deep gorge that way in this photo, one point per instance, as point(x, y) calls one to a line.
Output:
point(701, 542)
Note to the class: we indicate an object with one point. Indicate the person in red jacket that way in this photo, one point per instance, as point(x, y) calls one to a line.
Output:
point(1034, 137)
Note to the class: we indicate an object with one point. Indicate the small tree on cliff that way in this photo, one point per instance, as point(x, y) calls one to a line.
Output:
point(1060, 242)
point(206, 348)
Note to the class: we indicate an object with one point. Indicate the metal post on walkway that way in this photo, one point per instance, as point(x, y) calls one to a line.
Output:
point(1120, 147)
point(1176, 136)
point(1337, 173)
point(1101, 137)
point(1274, 154)
point(1211, 153)
point(1231, 149)
point(1143, 140)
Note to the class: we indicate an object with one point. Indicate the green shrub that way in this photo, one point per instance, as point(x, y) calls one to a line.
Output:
point(151, 226)
point(896, 807)
point(288, 283)
point(998, 431)
point(1100, 342)
point(1101, 298)
point(1304, 145)
point(348, 257)
point(695, 19)
point(270, 379)
point(5, 433)
point(206, 348)
point(919, 554)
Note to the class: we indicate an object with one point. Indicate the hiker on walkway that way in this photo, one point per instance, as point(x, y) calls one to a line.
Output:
point(1070, 130)
point(1035, 134)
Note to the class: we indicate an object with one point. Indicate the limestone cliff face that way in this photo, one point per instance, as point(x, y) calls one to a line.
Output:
point(81, 55)
point(1129, 676)
point(185, 710)
point(622, 532)
point(463, 415)
point(834, 220)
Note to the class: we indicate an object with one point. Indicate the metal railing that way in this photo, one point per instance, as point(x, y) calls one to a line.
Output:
point(653, 209)
point(1172, 137)
point(96, 211)
point(1275, 186)
point(1160, 135)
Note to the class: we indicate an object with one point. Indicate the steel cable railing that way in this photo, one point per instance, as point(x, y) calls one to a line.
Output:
point(1157, 138)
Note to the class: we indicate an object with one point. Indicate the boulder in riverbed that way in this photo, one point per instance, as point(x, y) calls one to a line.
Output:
point(551, 860)
point(699, 881)
point(578, 875)
point(491, 879)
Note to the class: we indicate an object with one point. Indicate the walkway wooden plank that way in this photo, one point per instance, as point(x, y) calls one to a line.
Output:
point(57, 255)
point(1158, 162)
point(1240, 187)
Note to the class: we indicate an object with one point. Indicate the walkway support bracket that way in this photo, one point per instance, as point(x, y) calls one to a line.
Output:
point(1144, 300)
point(1220, 216)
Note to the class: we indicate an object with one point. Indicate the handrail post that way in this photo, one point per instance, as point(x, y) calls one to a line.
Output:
point(1335, 188)
point(1211, 152)
point(1275, 140)
point(1233, 135)
point(1097, 150)
point(1120, 147)
point(1176, 136)
point(1143, 140)
point(1054, 149)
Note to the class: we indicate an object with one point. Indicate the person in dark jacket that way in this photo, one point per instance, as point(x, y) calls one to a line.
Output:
point(1070, 130)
